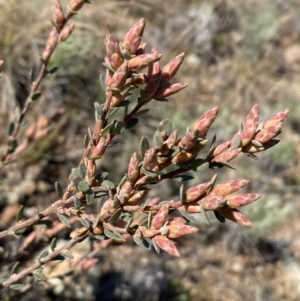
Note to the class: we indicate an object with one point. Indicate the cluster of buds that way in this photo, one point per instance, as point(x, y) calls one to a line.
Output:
point(125, 63)
point(61, 31)
point(155, 225)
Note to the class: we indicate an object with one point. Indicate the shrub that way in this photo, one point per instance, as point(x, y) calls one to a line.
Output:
point(125, 211)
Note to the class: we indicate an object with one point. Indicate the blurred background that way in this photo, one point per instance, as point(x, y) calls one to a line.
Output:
point(238, 53)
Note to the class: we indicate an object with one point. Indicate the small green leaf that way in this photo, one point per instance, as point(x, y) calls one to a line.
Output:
point(108, 184)
point(59, 190)
point(11, 128)
point(161, 99)
point(21, 231)
point(220, 164)
point(19, 216)
point(142, 242)
point(31, 75)
point(101, 202)
point(77, 202)
point(119, 126)
point(182, 194)
point(52, 70)
point(39, 275)
point(89, 197)
point(12, 144)
point(189, 217)
point(113, 235)
point(115, 215)
point(98, 108)
point(102, 176)
point(67, 255)
point(199, 165)
point(101, 193)
point(109, 67)
point(43, 254)
point(100, 237)
point(90, 133)
point(75, 174)
point(53, 244)
point(16, 286)
point(64, 220)
point(82, 170)
point(113, 144)
point(36, 96)
point(45, 223)
point(3, 280)
point(156, 247)
point(181, 178)
point(83, 186)
point(85, 222)
point(141, 112)
point(15, 268)
point(113, 111)
point(219, 217)
point(131, 123)
point(107, 128)
point(58, 258)
point(86, 141)
point(102, 82)
point(144, 146)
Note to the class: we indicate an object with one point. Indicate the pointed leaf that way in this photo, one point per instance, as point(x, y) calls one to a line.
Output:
point(43, 254)
point(189, 217)
point(83, 186)
point(15, 268)
point(53, 244)
point(20, 213)
point(36, 96)
point(17, 286)
point(142, 242)
point(181, 178)
point(64, 220)
point(144, 145)
point(38, 275)
point(59, 190)
point(132, 123)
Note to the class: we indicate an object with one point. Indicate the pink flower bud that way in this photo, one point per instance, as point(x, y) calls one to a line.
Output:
point(195, 192)
point(236, 216)
point(170, 70)
point(178, 230)
point(166, 244)
point(150, 159)
point(66, 32)
point(203, 123)
point(229, 187)
point(227, 155)
point(250, 126)
point(119, 78)
point(235, 201)
point(169, 90)
point(133, 168)
point(50, 45)
point(160, 217)
point(75, 5)
point(141, 61)
point(58, 14)
point(212, 202)
point(133, 38)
